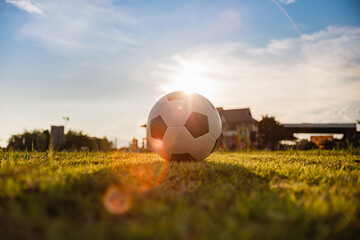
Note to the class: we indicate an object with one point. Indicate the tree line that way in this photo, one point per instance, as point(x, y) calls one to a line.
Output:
point(40, 140)
point(270, 135)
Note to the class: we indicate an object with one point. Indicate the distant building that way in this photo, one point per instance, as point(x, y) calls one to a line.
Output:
point(240, 129)
point(348, 130)
point(57, 135)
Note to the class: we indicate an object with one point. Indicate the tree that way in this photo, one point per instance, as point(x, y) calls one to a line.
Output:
point(77, 141)
point(271, 132)
point(38, 140)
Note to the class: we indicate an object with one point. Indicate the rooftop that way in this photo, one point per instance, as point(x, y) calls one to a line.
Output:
point(320, 125)
point(235, 115)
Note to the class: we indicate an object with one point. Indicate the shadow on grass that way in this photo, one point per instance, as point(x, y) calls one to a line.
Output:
point(195, 200)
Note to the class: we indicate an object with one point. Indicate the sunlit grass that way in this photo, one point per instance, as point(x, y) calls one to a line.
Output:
point(251, 195)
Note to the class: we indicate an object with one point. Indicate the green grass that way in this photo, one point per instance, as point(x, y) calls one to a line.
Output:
point(250, 195)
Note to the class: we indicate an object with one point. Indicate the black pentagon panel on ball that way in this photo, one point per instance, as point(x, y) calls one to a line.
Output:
point(183, 157)
point(197, 124)
point(176, 95)
point(157, 128)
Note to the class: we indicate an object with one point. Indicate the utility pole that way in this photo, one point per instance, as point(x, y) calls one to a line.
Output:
point(66, 120)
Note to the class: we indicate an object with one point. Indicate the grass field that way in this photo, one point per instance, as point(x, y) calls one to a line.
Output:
point(250, 195)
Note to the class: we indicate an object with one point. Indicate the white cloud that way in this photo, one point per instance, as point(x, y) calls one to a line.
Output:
point(83, 26)
point(287, 1)
point(313, 78)
point(27, 6)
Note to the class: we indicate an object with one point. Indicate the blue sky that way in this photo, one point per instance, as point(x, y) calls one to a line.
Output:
point(104, 63)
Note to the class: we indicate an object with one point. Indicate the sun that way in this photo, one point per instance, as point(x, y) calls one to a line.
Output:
point(191, 77)
point(190, 84)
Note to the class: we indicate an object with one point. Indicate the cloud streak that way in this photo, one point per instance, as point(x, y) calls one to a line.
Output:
point(287, 15)
point(287, 1)
point(27, 6)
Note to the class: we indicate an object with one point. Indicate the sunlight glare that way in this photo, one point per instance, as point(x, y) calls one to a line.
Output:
point(190, 77)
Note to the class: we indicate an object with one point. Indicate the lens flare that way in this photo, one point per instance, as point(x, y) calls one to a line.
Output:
point(117, 200)
point(140, 176)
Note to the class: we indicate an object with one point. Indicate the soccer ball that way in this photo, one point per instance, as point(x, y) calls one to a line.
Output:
point(183, 127)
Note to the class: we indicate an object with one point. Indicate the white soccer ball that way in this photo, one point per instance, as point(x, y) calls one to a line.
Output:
point(183, 127)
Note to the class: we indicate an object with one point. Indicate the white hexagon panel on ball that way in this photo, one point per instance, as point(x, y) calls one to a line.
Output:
point(183, 127)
